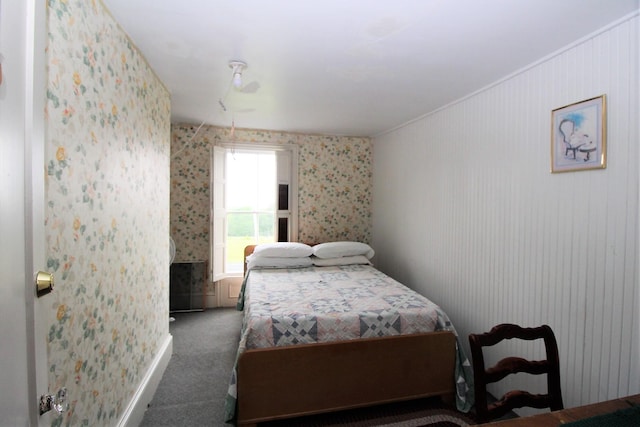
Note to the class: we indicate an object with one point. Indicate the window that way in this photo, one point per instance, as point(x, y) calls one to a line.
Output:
point(254, 200)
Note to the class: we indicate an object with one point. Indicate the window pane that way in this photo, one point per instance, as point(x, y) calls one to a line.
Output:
point(251, 181)
point(266, 181)
point(240, 233)
point(266, 225)
point(235, 254)
point(246, 229)
point(240, 225)
point(240, 181)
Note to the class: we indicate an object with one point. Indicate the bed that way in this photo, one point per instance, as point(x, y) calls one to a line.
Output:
point(306, 347)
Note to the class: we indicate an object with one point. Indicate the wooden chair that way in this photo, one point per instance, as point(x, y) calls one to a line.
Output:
point(511, 365)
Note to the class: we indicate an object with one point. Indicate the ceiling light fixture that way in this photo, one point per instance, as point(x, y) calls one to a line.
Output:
point(237, 67)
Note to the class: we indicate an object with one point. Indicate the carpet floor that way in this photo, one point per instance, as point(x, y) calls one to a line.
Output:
point(192, 390)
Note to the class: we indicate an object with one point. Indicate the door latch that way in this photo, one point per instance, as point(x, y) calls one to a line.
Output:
point(57, 402)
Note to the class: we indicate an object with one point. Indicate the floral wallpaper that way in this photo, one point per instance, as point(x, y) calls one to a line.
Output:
point(107, 212)
point(334, 178)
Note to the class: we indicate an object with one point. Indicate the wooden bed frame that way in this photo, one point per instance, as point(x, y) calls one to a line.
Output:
point(292, 381)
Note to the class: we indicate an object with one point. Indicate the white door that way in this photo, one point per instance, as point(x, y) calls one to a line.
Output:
point(23, 362)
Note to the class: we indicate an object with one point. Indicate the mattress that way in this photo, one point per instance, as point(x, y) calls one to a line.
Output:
point(314, 304)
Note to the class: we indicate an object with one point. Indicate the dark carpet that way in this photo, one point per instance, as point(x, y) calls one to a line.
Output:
point(193, 388)
point(194, 385)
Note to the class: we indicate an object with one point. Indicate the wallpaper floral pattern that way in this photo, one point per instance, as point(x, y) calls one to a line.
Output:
point(334, 178)
point(107, 212)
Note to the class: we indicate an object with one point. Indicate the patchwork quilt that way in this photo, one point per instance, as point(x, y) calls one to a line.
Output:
point(322, 304)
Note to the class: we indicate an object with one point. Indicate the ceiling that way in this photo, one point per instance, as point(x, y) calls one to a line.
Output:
point(338, 67)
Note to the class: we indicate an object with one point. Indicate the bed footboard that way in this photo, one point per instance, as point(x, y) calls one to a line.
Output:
point(285, 382)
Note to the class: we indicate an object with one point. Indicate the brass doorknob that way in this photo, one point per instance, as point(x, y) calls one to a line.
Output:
point(44, 283)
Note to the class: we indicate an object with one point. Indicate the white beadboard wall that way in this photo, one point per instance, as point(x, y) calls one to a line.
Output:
point(466, 211)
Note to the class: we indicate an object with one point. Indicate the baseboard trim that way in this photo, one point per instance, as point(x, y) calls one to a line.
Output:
point(133, 415)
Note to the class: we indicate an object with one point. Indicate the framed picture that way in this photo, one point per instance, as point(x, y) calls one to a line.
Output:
point(579, 136)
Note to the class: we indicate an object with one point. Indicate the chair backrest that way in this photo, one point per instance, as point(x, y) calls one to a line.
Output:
point(511, 365)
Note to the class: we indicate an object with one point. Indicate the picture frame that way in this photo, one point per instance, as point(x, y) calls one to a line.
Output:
point(579, 136)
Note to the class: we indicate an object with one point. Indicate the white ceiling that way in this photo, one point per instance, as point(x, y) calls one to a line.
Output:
point(345, 67)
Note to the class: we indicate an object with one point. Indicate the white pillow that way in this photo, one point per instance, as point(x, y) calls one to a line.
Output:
point(283, 250)
point(342, 249)
point(344, 260)
point(254, 261)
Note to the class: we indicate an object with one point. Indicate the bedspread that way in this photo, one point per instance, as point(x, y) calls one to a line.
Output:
point(322, 304)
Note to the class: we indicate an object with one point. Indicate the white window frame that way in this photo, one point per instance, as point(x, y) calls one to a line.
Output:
point(217, 222)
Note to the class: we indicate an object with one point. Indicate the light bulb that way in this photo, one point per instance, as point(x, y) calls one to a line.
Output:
point(237, 80)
